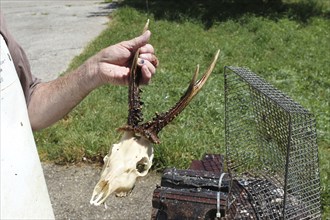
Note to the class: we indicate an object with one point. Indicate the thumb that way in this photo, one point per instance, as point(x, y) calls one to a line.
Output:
point(139, 41)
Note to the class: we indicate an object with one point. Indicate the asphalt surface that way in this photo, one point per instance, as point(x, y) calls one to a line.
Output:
point(52, 33)
point(70, 189)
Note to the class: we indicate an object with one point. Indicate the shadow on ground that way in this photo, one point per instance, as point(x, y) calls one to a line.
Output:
point(210, 11)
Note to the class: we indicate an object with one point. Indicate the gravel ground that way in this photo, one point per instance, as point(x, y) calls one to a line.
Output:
point(52, 33)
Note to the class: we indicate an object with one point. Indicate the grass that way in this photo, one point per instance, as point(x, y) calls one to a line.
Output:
point(285, 43)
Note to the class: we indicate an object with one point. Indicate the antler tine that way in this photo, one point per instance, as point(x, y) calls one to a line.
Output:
point(135, 115)
point(152, 128)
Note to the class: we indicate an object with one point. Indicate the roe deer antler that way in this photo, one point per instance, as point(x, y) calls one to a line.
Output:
point(132, 156)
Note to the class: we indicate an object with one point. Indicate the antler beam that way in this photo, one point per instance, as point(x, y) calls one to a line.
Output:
point(135, 115)
point(151, 129)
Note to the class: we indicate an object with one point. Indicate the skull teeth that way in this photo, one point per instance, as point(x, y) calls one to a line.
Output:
point(97, 201)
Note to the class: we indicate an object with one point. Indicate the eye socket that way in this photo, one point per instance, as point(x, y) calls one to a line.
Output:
point(142, 166)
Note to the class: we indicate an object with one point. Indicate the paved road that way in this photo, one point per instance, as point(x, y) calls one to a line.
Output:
point(70, 189)
point(52, 33)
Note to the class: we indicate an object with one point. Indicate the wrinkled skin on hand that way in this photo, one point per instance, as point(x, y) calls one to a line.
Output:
point(129, 159)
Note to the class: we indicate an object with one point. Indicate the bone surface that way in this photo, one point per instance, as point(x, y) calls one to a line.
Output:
point(129, 159)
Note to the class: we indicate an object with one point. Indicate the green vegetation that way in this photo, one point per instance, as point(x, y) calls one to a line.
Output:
point(287, 43)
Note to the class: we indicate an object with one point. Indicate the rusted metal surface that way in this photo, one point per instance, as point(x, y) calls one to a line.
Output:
point(242, 207)
point(210, 162)
point(187, 203)
point(195, 193)
point(181, 179)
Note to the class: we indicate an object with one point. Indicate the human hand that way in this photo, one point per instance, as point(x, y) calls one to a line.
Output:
point(52, 100)
point(113, 63)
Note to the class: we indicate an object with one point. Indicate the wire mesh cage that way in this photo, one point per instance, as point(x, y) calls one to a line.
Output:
point(271, 148)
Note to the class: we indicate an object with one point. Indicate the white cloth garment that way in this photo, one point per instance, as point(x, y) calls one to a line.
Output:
point(24, 193)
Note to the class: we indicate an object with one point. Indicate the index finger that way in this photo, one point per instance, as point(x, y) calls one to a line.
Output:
point(148, 48)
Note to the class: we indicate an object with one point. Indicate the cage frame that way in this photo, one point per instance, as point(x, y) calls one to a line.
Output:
point(291, 109)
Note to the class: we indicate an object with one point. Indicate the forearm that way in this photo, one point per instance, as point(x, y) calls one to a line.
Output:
point(52, 100)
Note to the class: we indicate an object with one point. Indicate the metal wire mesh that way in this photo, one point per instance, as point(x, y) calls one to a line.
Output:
point(271, 148)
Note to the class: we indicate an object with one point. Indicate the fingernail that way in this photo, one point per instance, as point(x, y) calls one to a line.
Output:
point(141, 61)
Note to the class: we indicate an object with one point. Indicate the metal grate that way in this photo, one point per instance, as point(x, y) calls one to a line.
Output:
point(271, 148)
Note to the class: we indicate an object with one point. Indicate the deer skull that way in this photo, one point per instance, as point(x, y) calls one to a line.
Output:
point(132, 156)
point(126, 161)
